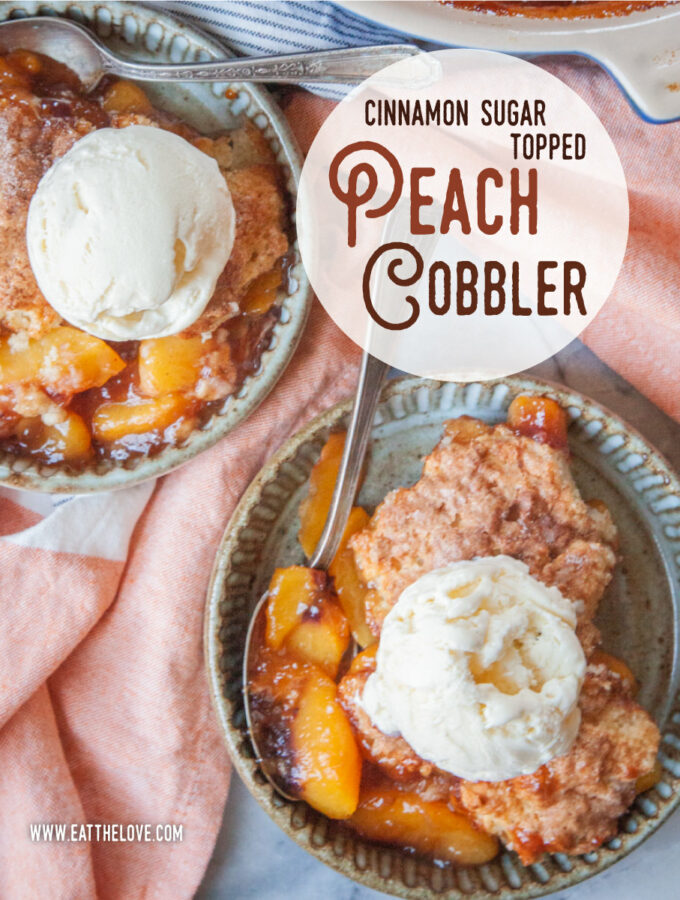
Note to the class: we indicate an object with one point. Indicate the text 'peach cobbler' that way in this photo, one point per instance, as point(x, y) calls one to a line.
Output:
point(481, 707)
point(139, 266)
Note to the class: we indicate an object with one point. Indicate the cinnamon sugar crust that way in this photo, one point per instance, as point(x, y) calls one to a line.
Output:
point(484, 491)
point(572, 804)
point(28, 147)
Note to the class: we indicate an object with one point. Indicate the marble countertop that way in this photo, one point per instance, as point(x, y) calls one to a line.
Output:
point(253, 858)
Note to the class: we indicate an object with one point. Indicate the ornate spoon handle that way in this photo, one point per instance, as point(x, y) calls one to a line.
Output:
point(349, 66)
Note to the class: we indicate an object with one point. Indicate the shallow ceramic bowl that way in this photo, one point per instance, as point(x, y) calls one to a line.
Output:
point(638, 615)
point(144, 33)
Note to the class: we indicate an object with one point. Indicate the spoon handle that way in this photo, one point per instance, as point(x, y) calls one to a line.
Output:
point(348, 66)
point(371, 378)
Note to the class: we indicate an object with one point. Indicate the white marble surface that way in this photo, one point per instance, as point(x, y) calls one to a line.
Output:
point(254, 860)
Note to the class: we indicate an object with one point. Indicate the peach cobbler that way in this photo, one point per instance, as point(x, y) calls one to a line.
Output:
point(480, 708)
point(66, 395)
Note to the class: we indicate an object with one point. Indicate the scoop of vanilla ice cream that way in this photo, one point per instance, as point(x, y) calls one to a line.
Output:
point(128, 232)
point(479, 669)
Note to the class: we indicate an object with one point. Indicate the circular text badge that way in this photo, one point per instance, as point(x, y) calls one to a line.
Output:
point(464, 225)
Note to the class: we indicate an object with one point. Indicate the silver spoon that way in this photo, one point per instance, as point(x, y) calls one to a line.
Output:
point(77, 47)
point(371, 378)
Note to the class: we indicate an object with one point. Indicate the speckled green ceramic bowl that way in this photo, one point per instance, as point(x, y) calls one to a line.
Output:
point(145, 33)
point(638, 615)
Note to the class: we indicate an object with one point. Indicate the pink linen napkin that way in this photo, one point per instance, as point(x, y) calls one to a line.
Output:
point(104, 709)
point(105, 715)
point(638, 331)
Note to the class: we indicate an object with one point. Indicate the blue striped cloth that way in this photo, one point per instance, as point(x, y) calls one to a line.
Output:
point(284, 26)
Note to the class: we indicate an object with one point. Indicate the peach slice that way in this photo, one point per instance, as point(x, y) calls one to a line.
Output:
point(464, 429)
point(292, 591)
point(170, 364)
point(276, 681)
point(8, 422)
point(388, 815)
point(649, 779)
point(598, 505)
point(349, 585)
point(326, 755)
point(13, 72)
point(540, 418)
point(202, 369)
point(617, 666)
point(126, 97)
point(67, 441)
point(261, 293)
point(65, 361)
point(321, 637)
point(314, 508)
point(113, 421)
point(364, 660)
